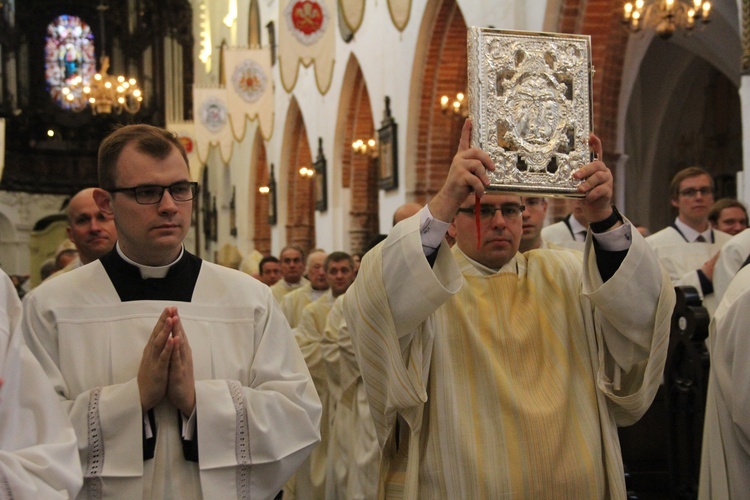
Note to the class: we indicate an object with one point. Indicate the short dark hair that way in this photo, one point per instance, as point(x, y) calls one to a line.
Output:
point(152, 141)
point(724, 203)
point(337, 257)
point(264, 261)
point(686, 173)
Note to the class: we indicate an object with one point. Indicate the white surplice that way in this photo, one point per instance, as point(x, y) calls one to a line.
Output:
point(682, 260)
point(38, 452)
point(257, 411)
point(725, 460)
point(733, 254)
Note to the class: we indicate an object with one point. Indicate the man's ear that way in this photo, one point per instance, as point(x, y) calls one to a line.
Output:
point(674, 203)
point(103, 200)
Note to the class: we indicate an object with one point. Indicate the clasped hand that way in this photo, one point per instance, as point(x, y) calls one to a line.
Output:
point(166, 368)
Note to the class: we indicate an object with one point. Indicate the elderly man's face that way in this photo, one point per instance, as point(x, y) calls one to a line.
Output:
point(92, 232)
point(316, 272)
point(500, 235)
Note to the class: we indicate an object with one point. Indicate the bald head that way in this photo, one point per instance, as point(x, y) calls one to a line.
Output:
point(405, 211)
point(92, 232)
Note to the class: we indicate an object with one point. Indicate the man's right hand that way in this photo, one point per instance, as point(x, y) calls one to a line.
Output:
point(467, 175)
point(153, 374)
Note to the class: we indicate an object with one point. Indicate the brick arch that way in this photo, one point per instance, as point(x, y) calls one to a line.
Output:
point(261, 229)
point(359, 173)
point(600, 19)
point(300, 204)
point(437, 134)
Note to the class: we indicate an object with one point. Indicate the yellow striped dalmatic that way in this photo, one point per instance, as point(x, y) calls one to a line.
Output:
point(508, 384)
point(309, 481)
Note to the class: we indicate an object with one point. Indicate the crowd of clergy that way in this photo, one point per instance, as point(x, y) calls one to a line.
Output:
point(473, 352)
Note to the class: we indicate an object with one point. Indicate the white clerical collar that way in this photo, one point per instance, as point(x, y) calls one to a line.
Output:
point(691, 234)
point(149, 271)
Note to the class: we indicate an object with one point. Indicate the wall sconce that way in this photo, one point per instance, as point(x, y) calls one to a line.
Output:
point(306, 172)
point(458, 106)
point(365, 147)
point(264, 190)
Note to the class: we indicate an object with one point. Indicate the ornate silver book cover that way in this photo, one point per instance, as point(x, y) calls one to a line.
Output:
point(530, 105)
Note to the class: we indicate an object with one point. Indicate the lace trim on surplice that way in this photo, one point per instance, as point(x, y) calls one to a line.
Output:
point(242, 439)
point(96, 446)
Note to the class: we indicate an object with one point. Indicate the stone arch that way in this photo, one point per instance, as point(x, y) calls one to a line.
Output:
point(261, 229)
point(300, 203)
point(358, 171)
point(439, 69)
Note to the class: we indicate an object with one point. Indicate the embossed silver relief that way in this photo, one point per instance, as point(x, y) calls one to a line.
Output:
point(530, 104)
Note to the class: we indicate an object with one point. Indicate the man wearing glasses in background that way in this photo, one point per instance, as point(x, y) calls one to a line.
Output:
point(181, 377)
point(496, 374)
point(689, 247)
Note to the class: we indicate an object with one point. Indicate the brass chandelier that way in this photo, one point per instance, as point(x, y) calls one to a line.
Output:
point(666, 16)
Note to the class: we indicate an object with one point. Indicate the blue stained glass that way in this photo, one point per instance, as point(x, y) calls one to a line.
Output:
point(69, 54)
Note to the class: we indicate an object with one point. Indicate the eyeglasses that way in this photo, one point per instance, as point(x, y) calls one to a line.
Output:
point(693, 192)
point(151, 194)
point(511, 211)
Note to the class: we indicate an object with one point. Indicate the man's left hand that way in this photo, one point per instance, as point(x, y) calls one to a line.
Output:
point(597, 184)
point(181, 388)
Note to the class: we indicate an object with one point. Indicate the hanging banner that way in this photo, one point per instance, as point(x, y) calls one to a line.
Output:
point(186, 133)
point(249, 89)
point(212, 123)
point(352, 13)
point(400, 11)
point(307, 31)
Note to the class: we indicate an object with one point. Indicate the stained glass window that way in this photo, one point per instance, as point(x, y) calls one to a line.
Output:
point(69, 53)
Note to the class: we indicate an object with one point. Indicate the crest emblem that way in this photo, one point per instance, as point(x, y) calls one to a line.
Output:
point(307, 20)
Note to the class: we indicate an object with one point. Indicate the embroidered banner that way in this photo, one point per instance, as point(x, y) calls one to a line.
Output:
point(249, 89)
point(307, 35)
point(212, 123)
point(352, 13)
point(186, 133)
point(400, 11)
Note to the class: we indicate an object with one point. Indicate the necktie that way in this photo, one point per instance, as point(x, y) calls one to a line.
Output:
point(700, 239)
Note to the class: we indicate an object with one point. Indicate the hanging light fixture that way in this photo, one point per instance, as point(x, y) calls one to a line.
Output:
point(105, 93)
point(306, 172)
point(666, 16)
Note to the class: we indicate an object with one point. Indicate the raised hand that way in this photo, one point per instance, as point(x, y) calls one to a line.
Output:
point(597, 184)
point(153, 373)
point(181, 387)
point(467, 175)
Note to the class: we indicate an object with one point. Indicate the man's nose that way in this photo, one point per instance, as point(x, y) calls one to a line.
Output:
point(167, 203)
point(498, 221)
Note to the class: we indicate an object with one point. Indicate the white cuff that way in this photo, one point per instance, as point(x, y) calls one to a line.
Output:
point(431, 230)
